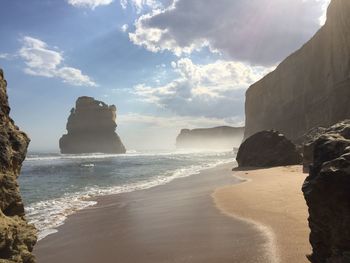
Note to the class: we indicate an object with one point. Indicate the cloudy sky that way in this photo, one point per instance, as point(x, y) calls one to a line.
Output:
point(165, 64)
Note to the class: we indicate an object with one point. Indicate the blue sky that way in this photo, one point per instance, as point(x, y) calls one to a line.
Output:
point(166, 65)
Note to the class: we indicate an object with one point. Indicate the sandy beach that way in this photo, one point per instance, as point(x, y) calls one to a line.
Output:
point(271, 198)
point(175, 222)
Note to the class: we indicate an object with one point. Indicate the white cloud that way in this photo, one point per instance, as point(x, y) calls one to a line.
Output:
point(140, 5)
point(214, 90)
point(89, 3)
point(256, 31)
point(5, 56)
point(40, 60)
point(179, 122)
point(124, 27)
point(325, 4)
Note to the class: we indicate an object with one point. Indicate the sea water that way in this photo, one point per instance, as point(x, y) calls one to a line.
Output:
point(54, 186)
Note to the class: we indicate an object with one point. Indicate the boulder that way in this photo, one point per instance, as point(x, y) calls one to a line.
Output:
point(327, 194)
point(91, 129)
point(267, 149)
point(17, 237)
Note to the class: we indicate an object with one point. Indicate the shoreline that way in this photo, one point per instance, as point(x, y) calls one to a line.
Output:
point(74, 202)
point(175, 222)
point(271, 199)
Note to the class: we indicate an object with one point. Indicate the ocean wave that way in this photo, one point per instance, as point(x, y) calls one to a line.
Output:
point(50, 214)
point(131, 153)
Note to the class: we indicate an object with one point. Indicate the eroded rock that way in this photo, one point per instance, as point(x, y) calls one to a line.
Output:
point(327, 194)
point(17, 237)
point(91, 129)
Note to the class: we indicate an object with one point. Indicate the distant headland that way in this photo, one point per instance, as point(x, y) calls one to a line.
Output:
point(223, 137)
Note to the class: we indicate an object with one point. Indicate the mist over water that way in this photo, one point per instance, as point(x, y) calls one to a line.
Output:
point(54, 186)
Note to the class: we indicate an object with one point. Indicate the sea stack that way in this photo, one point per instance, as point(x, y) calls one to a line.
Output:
point(17, 237)
point(91, 129)
point(223, 137)
point(311, 87)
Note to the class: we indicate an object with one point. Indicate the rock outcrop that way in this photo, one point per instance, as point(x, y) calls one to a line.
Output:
point(17, 237)
point(267, 149)
point(310, 138)
point(311, 87)
point(327, 194)
point(212, 138)
point(91, 129)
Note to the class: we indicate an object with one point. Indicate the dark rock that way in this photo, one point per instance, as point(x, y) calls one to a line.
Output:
point(342, 128)
point(310, 88)
point(267, 149)
point(212, 138)
point(327, 194)
point(91, 128)
point(17, 237)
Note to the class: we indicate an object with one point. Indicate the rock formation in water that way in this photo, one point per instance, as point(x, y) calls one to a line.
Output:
point(327, 194)
point(212, 138)
point(311, 88)
point(91, 129)
point(17, 237)
point(267, 149)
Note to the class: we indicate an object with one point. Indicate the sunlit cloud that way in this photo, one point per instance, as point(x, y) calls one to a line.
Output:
point(180, 122)
point(41, 60)
point(211, 90)
point(92, 4)
point(257, 31)
point(140, 5)
point(124, 27)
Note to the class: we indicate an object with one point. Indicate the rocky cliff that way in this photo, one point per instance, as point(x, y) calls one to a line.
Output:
point(311, 87)
point(327, 194)
point(212, 138)
point(17, 238)
point(91, 128)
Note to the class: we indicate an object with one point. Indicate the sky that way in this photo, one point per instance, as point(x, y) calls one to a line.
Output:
point(165, 64)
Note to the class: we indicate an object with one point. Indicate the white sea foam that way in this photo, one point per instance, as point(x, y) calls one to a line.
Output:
point(50, 214)
point(132, 153)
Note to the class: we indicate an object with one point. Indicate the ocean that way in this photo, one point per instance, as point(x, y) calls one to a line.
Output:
point(54, 186)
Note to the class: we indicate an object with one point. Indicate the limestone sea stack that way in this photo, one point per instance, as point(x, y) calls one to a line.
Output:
point(91, 129)
point(267, 149)
point(327, 194)
point(17, 237)
point(224, 137)
point(311, 87)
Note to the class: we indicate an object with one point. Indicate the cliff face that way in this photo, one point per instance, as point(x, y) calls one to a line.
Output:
point(91, 128)
point(212, 138)
point(17, 238)
point(311, 87)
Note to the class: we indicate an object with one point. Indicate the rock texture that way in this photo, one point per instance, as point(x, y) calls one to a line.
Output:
point(311, 88)
point(91, 128)
point(17, 237)
point(267, 149)
point(212, 138)
point(311, 137)
point(327, 194)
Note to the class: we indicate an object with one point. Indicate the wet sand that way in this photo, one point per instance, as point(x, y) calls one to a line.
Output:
point(273, 198)
point(176, 222)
